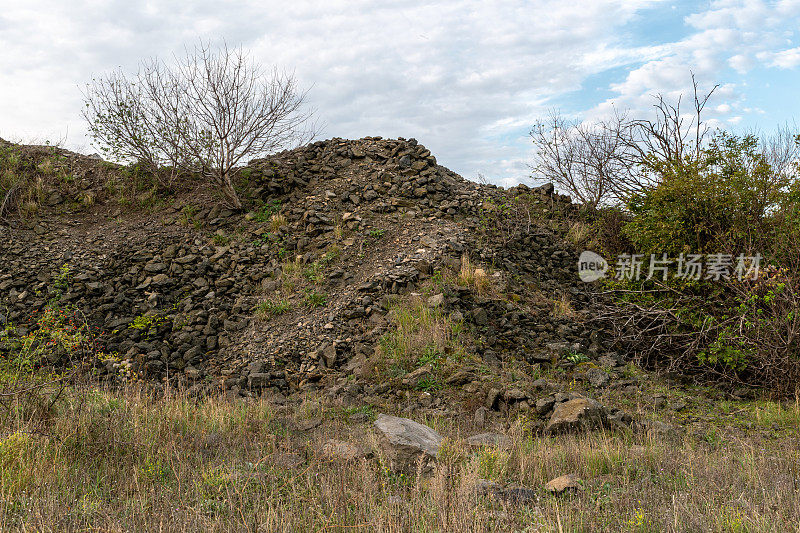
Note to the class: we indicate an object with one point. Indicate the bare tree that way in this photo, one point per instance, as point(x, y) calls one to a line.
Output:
point(612, 159)
point(671, 139)
point(781, 149)
point(581, 158)
point(203, 114)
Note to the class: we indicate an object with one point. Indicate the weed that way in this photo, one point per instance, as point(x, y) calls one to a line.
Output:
point(576, 358)
point(428, 384)
point(269, 308)
point(314, 272)
point(562, 307)
point(420, 336)
point(187, 216)
point(148, 322)
point(472, 276)
point(579, 233)
point(220, 239)
point(119, 459)
point(332, 254)
point(277, 221)
point(266, 212)
point(313, 299)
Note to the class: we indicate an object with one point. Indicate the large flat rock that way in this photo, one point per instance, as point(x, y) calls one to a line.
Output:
point(408, 445)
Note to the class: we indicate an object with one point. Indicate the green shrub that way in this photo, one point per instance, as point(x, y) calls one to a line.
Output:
point(723, 202)
point(727, 201)
point(314, 299)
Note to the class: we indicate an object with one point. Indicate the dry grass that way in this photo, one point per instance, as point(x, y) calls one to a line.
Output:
point(291, 274)
point(419, 335)
point(124, 461)
point(473, 277)
point(24, 192)
point(579, 234)
point(277, 221)
point(562, 307)
point(88, 198)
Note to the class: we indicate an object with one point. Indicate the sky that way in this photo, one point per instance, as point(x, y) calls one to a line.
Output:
point(467, 78)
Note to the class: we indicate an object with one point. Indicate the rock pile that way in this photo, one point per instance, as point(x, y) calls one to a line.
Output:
point(176, 292)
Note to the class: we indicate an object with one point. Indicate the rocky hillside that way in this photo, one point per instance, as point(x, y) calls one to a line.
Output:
point(307, 291)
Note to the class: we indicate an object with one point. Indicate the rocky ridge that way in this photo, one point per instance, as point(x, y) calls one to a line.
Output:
point(176, 291)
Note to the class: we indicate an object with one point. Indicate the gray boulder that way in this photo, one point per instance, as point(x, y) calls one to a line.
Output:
point(576, 414)
point(408, 445)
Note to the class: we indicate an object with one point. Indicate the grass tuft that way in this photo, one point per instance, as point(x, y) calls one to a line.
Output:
point(473, 277)
point(273, 307)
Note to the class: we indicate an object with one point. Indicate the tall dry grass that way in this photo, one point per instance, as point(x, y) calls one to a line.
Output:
point(126, 461)
point(473, 277)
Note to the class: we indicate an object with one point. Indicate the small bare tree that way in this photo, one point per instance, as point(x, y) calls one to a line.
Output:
point(613, 159)
point(672, 138)
point(203, 114)
point(581, 158)
point(781, 148)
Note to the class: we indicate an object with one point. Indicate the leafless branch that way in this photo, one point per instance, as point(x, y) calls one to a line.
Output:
point(204, 114)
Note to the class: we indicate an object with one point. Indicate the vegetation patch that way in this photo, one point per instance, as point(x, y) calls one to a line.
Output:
point(421, 336)
point(272, 307)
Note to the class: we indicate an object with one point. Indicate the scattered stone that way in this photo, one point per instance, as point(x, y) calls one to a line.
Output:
point(518, 495)
point(461, 377)
point(308, 425)
point(258, 380)
point(436, 300)
point(678, 405)
point(288, 460)
point(485, 487)
point(619, 418)
point(491, 398)
point(481, 415)
point(359, 417)
point(545, 405)
point(480, 316)
point(597, 377)
point(512, 494)
point(659, 402)
point(657, 428)
point(568, 482)
point(573, 415)
point(408, 445)
point(341, 450)
point(414, 377)
point(630, 390)
point(515, 394)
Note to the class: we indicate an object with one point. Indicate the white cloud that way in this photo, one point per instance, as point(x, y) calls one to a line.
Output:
point(785, 58)
point(741, 63)
point(730, 33)
point(465, 77)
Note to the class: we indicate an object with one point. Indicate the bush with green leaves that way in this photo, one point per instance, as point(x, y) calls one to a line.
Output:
point(727, 200)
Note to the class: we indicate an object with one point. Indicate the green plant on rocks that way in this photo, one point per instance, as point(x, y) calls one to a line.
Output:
point(576, 358)
point(314, 299)
point(420, 336)
point(273, 307)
